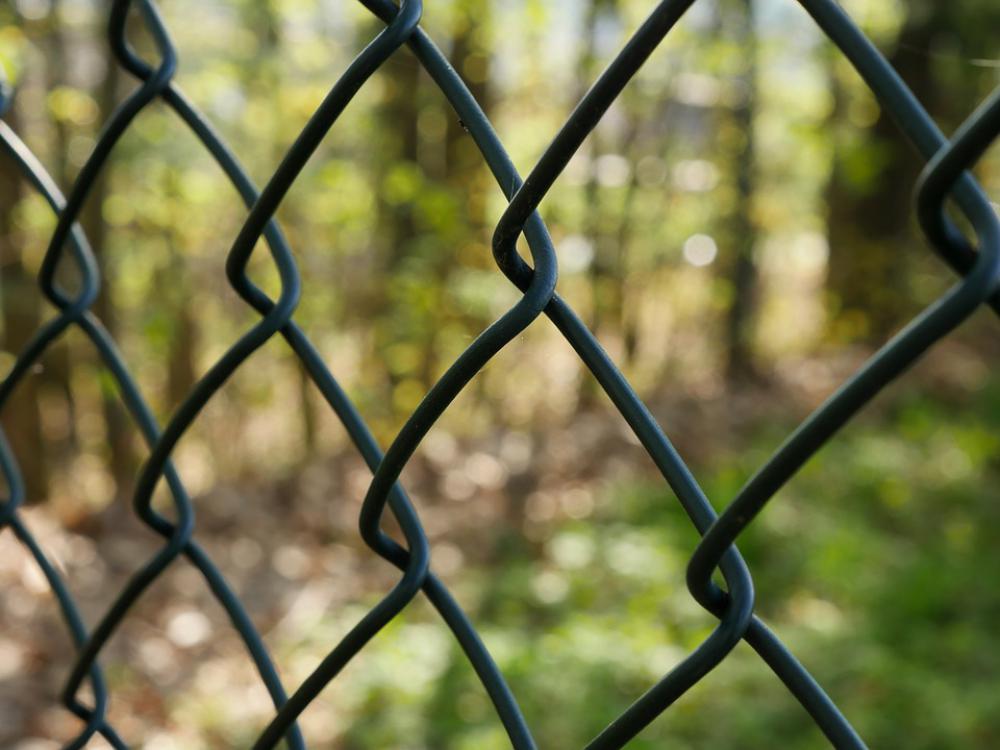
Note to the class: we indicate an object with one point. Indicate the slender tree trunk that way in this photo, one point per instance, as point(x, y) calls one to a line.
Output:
point(608, 228)
point(595, 209)
point(742, 231)
point(20, 303)
point(124, 459)
point(396, 237)
point(466, 174)
point(870, 208)
point(622, 310)
point(182, 372)
point(60, 356)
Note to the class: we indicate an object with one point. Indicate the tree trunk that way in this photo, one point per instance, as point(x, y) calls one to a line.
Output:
point(397, 232)
point(869, 223)
point(742, 230)
point(20, 305)
point(60, 356)
point(124, 460)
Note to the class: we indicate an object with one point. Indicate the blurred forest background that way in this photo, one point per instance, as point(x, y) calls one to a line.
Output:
point(738, 232)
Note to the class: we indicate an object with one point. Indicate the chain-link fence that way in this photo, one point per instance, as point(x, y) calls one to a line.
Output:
point(976, 261)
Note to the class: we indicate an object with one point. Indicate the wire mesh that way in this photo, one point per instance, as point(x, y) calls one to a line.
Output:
point(945, 176)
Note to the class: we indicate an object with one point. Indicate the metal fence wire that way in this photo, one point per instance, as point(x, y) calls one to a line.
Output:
point(977, 263)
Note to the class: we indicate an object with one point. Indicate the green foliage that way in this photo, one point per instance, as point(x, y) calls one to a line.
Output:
point(872, 565)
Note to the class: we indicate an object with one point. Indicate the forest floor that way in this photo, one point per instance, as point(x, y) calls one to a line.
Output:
point(290, 548)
